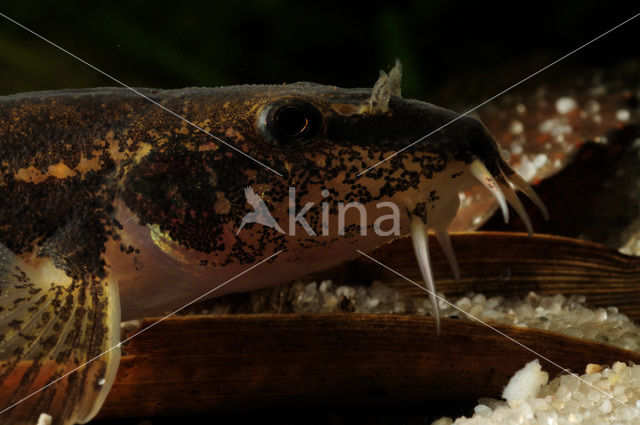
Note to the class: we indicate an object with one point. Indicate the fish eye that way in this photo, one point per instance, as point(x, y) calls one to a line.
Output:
point(289, 123)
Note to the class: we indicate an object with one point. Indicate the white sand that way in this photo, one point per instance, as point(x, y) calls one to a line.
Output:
point(605, 396)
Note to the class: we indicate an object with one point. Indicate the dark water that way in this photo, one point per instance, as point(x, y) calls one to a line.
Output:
point(450, 50)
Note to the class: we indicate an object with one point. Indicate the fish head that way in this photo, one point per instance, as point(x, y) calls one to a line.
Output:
point(314, 171)
point(358, 145)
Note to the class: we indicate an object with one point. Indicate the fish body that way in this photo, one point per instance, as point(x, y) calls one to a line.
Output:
point(114, 209)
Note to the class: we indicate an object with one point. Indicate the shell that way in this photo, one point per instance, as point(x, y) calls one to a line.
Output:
point(227, 363)
point(224, 363)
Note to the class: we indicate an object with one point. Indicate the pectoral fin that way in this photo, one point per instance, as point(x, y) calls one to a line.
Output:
point(50, 327)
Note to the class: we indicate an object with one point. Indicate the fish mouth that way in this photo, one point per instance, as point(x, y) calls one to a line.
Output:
point(502, 183)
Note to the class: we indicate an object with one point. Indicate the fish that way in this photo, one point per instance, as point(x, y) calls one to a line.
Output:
point(114, 209)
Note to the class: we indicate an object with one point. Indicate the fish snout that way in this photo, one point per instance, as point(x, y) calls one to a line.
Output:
point(488, 164)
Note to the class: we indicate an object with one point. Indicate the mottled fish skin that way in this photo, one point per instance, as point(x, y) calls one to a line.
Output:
point(101, 187)
point(192, 190)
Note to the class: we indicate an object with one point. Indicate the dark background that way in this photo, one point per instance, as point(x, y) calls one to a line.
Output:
point(454, 53)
